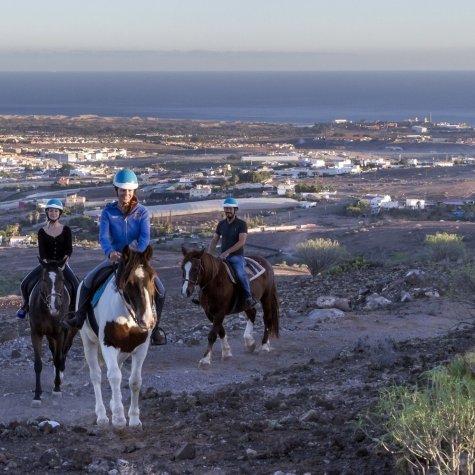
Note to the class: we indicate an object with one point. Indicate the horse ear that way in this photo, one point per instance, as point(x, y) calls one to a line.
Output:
point(184, 250)
point(42, 262)
point(126, 253)
point(62, 263)
point(149, 253)
point(201, 252)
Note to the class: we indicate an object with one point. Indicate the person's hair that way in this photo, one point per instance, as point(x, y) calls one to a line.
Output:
point(134, 201)
point(47, 217)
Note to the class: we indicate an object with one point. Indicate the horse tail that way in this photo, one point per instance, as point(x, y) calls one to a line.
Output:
point(273, 323)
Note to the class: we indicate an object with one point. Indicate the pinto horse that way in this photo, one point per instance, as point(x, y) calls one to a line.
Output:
point(218, 297)
point(120, 327)
point(49, 304)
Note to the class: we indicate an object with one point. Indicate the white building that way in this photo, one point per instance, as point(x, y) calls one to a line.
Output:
point(379, 200)
point(415, 203)
point(200, 191)
point(282, 188)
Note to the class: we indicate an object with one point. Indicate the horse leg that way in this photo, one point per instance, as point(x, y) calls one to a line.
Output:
point(225, 347)
point(114, 375)
point(249, 341)
point(135, 383)
point(270, 307)
point(55, 346)
point(212, 336)
point(37, 341)
point(91, 353)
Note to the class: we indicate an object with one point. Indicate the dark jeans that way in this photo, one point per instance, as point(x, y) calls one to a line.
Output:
point(237, 263)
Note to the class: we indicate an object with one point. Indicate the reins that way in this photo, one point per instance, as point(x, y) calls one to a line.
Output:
point(198, 275)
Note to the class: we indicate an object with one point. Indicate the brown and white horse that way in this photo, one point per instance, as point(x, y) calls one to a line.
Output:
point(49, 304)
point(219, 297)
point(125, 318)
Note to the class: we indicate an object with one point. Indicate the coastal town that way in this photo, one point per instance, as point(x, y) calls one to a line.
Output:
point(187, 167)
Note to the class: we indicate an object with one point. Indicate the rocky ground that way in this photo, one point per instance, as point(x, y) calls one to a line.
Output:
point(292, 411)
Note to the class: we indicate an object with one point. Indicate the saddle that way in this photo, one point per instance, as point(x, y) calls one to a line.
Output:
point(253, 270)
point(100, 281)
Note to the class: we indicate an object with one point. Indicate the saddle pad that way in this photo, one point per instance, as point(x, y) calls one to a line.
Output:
point(98, 293)
point(253, 269)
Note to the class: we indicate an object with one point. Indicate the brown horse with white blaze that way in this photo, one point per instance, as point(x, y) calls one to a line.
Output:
point(219, 296)
point(49, 304)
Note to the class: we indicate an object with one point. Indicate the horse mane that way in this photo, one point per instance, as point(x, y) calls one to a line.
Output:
point(214, 263)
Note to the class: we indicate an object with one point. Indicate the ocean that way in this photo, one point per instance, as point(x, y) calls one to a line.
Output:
point(301, 98)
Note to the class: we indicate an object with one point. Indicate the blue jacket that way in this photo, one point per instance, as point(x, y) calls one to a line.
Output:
point(117, 230)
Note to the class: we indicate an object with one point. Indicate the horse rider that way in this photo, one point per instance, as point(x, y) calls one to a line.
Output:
point(233, 232)
point(55, 242)
point(123, 222)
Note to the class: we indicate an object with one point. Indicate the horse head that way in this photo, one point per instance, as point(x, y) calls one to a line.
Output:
point(51, 286)
point(136, 283)
point(191, 270)
point(199, 268)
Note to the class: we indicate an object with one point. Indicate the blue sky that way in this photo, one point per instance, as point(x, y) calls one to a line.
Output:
point(237, 35)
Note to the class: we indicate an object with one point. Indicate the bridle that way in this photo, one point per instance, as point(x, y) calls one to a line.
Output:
point(46, 298)
point(196, 282)
point(127, 305)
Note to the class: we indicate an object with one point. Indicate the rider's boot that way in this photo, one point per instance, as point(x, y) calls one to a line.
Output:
point(158, 336)
point(81, 313)
point(250, 302)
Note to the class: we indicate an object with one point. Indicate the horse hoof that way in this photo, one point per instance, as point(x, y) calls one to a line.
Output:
point(136, 425)
point(251, 348)
point(119, 423)
point(57, 394)
point(102, 421)
point(204, 363)
point(265, 348)
point(228, 356)
point(36, 403)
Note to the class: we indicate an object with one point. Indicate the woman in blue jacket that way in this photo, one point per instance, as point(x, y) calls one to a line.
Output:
point(123, 222)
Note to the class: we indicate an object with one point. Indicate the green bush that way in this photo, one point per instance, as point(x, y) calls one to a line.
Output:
point(445, 246)
point(10, 283)
point(460, 280)
point(320, 254)
point(355, 263)
point(431, 428)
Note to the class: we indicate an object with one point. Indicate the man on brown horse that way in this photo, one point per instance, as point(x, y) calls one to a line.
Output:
point(233, 232)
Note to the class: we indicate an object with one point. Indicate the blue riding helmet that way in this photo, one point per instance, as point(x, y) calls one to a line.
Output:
point(230, 203)
point(55, 204)
point(126, 179)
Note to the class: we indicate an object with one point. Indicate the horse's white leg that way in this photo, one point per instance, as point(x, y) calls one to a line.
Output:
point(249, 341)
point(266, 347)
point(135, 383)
point(114, 375)
point(91, 349)
point(225, 348)
point(206, 360)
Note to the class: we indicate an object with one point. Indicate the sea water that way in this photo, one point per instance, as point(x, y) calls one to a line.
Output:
point(301, 98)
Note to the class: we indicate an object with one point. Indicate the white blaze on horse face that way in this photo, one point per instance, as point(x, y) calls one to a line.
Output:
point(52, 295)
point(148, 316)
point(187, 269)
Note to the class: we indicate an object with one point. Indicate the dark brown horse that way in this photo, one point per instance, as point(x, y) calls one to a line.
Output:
point(220, 297)
point(49, 304)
